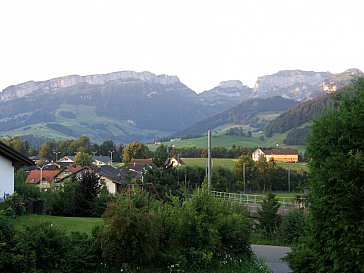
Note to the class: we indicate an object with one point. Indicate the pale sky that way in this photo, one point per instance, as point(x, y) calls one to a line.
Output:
point(202, 42)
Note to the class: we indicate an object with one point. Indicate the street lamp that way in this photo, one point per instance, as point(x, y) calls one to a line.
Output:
point(111, 152)
point(56, 153)
point(138, 173)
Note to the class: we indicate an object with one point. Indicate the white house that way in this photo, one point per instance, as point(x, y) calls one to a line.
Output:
point(283, 155)
point(9, 161)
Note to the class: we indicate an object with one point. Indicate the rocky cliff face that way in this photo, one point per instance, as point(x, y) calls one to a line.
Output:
point(293, 84)
point(24, 89)
point(227, 92)
point(337, 81)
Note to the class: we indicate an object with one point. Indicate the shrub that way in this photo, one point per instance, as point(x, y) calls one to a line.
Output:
point(131, 234)
point(82, 256)
point(293, 226)
point(47, 244)
point(335, 233)
point(269, 219)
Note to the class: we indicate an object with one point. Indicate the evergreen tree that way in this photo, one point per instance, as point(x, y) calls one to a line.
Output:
point(335, 235)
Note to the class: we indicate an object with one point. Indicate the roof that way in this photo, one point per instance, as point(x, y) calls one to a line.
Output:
point(74, 169)
point(275, 151)
point(34, 176)
point(139, 164)
point(110, 172)
point(14, 156)
point(66, 157)
point(177, 159)
point(102, 158)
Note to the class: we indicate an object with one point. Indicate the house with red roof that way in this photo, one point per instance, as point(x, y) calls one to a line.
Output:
point(43, 179)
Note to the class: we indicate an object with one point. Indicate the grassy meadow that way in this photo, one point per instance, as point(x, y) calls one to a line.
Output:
point(68, 224)
point(220, 139)
point(230, 162)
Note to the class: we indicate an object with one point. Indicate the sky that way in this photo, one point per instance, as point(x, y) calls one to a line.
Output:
point(203, 42)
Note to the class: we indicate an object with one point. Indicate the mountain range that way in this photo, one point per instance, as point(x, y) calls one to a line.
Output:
point(127, 106)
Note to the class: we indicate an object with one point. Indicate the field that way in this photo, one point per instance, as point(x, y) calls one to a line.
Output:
point(220, 139)
point(230, 162)
point(69, 224)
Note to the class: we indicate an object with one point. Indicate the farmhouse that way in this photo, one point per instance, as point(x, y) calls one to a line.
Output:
point(175, 161)
point(9, 160)
point(283, 155)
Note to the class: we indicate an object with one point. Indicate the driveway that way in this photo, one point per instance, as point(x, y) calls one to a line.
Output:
point(272, 255)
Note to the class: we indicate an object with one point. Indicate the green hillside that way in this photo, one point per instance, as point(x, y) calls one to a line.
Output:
point(71, 121)
point(220, 139)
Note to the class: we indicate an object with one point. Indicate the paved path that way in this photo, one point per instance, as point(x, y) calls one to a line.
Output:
point(272, 255)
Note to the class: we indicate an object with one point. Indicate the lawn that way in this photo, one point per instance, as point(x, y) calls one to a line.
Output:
point(230, 162)
point(69, 224)
point(220, 139)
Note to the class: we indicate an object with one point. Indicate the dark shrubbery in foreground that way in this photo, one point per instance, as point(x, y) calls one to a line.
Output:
point(334, 240)
point(195, 233)
point(191, 234)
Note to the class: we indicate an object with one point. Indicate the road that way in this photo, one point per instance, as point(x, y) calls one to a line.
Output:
point(272, 255)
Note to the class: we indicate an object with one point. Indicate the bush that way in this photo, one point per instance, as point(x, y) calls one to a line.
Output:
point(269, 220)
point(131, 234)
point(334, 241)
point(293, 226)
point(48, 244)
point(201, 232)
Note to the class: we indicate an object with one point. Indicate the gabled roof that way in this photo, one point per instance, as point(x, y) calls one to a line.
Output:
point(34, 176)
point(275, 151)
point(70, 157)
point(178, 159)
point(14, 156)
point(110, 172)
point(101, 158)
point(74, 169)
point(139, 164)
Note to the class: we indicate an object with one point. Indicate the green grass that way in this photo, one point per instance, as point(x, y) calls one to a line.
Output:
point(220, 139)
point(68, 224)
point(230, 162)
point(227, 163)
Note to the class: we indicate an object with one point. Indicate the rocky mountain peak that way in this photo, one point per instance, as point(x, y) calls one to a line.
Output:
point(293, 84)
point(23, 89)
point(231, 84)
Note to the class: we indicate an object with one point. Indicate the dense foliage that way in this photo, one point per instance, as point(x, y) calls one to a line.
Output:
point(297, 136)
point(304, 112)
point(335, 234)
point(246, 112)
point(194, 233)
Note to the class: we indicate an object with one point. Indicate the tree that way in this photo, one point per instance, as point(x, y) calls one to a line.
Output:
point(46, 150)
point(250, 170)
point(269, 219)
point(335, 234)
point(83, 159)
point(87, 190)
point(265, 170)
point(135, 150)
point(160, 156)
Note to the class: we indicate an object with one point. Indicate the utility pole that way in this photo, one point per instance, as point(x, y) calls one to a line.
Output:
point(111, 152)
point(209, 160)
point(244, 175)
point(289, 178)
point(56, 153)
